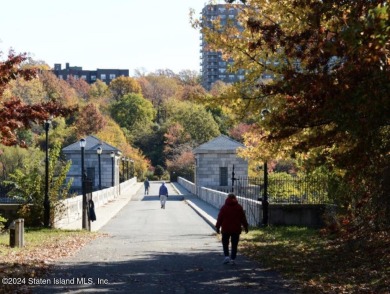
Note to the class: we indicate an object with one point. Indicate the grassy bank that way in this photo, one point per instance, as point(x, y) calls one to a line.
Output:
point(317, 264)
point(42, 247)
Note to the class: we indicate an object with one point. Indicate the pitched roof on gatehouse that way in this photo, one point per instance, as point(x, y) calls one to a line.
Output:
point(92, 143)
point(221, 144)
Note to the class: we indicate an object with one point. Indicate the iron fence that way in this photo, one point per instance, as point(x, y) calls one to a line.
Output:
point(283, 188)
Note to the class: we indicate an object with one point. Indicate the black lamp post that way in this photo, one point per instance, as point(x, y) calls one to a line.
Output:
point(123, 168)
point(112, 168)
point(132, 168)
point(265, 203)
point(99, 151)
point(46, 203)
point(83, 179)
point(265, 195)
point(127, 167)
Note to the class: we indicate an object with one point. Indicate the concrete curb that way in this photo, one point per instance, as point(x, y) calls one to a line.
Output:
point(209, 219)
point(187, 198)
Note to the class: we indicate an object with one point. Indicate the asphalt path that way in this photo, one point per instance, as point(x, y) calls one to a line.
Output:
point(152, 250)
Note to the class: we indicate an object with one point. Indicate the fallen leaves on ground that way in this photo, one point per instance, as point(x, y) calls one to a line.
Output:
point(320, 265)
point(36, 257)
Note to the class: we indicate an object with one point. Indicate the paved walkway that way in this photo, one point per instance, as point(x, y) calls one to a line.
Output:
point(154, 250)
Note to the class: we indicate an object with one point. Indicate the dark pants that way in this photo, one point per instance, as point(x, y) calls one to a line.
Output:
point(225, 243)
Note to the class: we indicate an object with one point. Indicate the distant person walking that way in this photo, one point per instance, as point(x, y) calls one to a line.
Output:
point(163, 194)
point(147, 186)
point(231, 218)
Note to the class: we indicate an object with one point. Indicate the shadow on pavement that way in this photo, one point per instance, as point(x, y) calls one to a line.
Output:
point(197, 272)
point(157, 198)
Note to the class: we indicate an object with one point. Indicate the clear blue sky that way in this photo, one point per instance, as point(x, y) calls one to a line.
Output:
point(125, 34)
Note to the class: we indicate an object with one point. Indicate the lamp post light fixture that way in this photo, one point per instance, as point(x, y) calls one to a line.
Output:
point(99, 151)
point(46, 202)
point(84, 192)
point(112, 168)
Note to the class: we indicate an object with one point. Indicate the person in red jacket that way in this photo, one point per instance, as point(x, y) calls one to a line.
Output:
point(231, 218)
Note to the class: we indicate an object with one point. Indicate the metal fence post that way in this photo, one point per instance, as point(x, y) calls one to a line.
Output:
point(233, 179)
point(265, 195)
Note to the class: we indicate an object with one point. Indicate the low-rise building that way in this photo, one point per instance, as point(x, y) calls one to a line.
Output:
point(90, 76)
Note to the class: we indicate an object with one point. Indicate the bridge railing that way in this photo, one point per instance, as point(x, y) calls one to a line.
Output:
point(71, 209)
point(298, 214)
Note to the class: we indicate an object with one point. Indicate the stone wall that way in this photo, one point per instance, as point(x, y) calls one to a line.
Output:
point(208, 167)
point(73, 209)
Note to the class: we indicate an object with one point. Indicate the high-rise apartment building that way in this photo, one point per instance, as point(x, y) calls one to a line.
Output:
point(214, 68)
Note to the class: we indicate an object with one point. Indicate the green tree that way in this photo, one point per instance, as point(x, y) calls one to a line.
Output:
point(196, 121)
point(132, 109)
point(28, 182)
point(152, 145)
point(11, 158)
point(133, 112)
point(159, 171)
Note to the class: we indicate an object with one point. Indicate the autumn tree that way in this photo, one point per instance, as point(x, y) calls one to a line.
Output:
point(29, 91)
point(189, 77)
point(239, 131)
point(16, 115)
point(121, 86)
point(177, 140)
point(193, 93)
point(81, 87)
point(57, 89)
point(89, 121)
point(178, 152)
point(328, 101)
point(182, 165)
point(158, 88)
point(99, 90)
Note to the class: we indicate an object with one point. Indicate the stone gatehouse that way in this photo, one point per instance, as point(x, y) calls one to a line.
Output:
point(91, 161)
point(215, 160)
